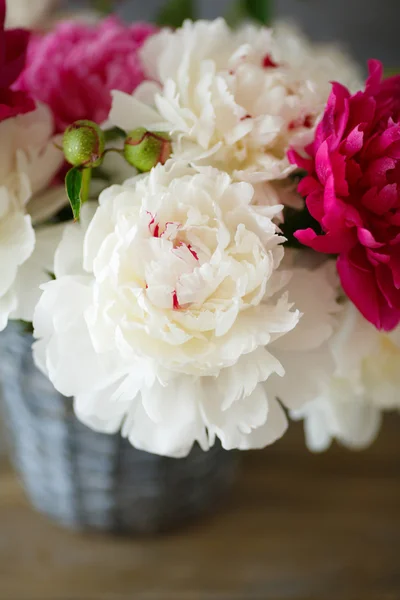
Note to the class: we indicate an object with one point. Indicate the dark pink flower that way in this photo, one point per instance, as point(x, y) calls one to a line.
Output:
point(352, 189)
point(74, 68)
point(13, 44)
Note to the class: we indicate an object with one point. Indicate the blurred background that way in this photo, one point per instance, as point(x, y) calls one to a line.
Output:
point(368, 28)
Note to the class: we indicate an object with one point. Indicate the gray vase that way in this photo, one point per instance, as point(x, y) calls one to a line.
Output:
point(87, 480)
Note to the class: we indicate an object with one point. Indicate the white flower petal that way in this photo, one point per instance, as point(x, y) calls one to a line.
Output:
point(17, 241)
point(235, 99)
point(46, 204)
point(37, 270)
point(128, 113)
point(353, 422)
point(28, 162)
point(178, 290)
point(239, 381)
point(341, 388)
point(8, 303)
point(153, 427)
point(68, 258)
point(99, 412)
point(272, 430)
point(253, 421)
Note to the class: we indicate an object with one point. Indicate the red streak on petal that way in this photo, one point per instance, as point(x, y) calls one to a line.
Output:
point(156, 231)
point(193, 252)
point(307, 121)
point(175, 301)
point(246, 117)
point(268, 62)
point(166, 226)
point(301, 122)
point(152, 219)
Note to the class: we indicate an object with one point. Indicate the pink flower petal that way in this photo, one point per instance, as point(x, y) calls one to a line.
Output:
point(376, 258)
point(322, 163)
point(353, 142)
point(375, 69)
point(376, 173)
point(380, 201)
point(315, 205)
point(74, 68)
point(13, 45)
point(328, 243)
point(296, 159)
point(360, 285)
point(366, 238)
point(391, 293)
point(353, 191)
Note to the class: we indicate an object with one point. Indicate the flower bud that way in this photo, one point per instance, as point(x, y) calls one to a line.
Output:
point(145, 149)
point(83, 144)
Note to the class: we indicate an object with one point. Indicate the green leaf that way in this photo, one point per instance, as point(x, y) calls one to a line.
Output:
point(259, 10)
point(73, 186)
point(174, 12)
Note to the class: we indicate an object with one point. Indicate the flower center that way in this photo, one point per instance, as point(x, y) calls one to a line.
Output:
point(170, 231)
point(269, 63)
point(305, 121)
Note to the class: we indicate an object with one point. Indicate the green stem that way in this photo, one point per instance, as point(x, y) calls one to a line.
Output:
point(85, 187)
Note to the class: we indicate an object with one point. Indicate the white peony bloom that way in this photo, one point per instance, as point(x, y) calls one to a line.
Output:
point(234, 99)
point(28, 162)
point(359, 379)
point(314, 289)
point(161, 312)
point(36, 271)
point(28, 13)
point(339, 415)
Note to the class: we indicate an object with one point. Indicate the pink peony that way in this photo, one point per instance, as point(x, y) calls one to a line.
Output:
point(74, 68)
point(352, 189)
point(13, 44)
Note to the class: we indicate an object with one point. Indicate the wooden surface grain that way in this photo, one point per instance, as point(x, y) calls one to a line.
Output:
point(296, 526)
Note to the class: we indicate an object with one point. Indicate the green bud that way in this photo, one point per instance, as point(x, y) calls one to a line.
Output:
point(83, 144)
point(145, 149)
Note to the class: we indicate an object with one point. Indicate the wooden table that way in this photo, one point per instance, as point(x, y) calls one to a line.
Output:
point(297, 526)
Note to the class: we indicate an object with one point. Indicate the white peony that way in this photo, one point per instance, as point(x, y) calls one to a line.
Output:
point(28, 163)
point(234, 99)
point(159, 325)
point(28, 13)
point(37, 270)
point(360, 377)
point(314, 289)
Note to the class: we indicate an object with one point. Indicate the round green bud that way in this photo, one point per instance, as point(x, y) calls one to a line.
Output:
point(145, 149)
point(83, 144)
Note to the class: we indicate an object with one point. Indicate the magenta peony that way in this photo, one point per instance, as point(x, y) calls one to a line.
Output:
point(13, 44)
point(352, 189)
point(74, 68)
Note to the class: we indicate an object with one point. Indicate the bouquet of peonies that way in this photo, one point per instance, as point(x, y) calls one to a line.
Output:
point(231, 251)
